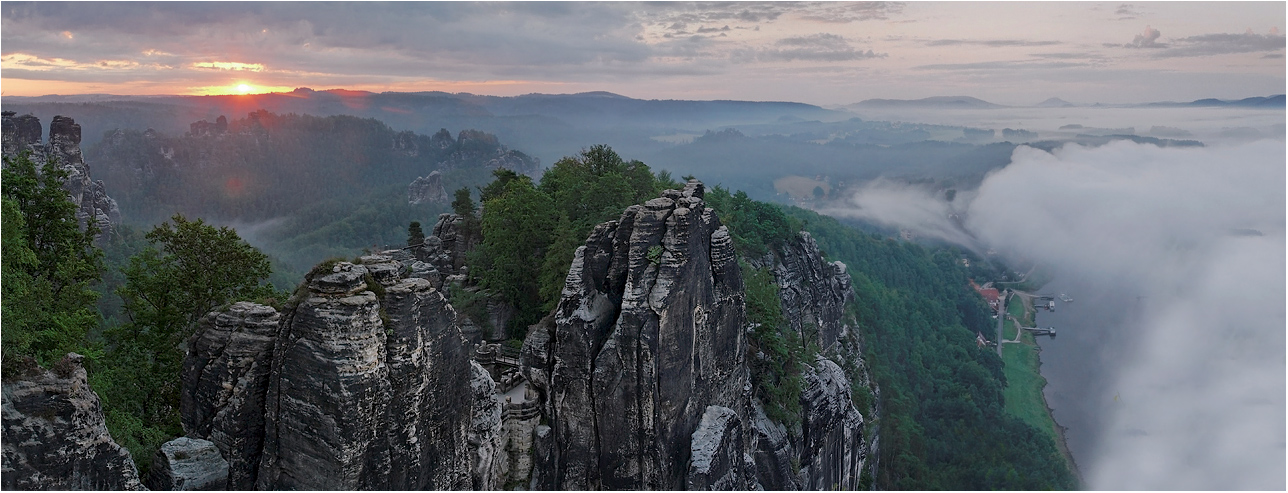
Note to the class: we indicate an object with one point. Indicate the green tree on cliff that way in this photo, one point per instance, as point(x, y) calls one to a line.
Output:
point(517, 222)
point(49, 264)
point(415, 235)
point(190, 269)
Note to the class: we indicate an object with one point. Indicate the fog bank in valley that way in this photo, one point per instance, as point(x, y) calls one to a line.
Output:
point(1196, 235)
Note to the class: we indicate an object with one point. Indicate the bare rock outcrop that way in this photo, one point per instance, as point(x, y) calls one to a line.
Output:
point(427, 190)
point(367, 391)
point(364, 381)
point(225, 380)
point(813, 291)
point(833, 452)
point(54, 434)
point(648, 334)
point(447, 244)
point(716, 461)
point(188, 464)
point(22, 133)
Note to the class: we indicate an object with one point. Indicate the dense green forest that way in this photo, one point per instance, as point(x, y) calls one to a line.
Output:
point(127, 302)
point(304, 188)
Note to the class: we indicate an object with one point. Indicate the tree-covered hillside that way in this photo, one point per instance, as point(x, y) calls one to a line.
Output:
point(942, 422)
point(303, 187)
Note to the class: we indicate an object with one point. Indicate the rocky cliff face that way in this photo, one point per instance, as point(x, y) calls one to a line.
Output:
point(23, 133)
point(447, 244)
point(54, 434)
point(365, 382)
point(225, 380)
point(427, 190)
point(647, 335)
point(365, 394)
point(831, 449)
point(814, 292)
point(641, 371)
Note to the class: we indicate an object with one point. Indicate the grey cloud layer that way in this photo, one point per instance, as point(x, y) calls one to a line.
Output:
point(1200, 234)
point(1202, 395)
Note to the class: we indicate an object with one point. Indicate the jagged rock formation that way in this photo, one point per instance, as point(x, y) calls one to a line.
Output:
point(356, 402)
point(479, 146)
point(486, 437)
point(830, 450)
point(833, 451)
point(716, 461)
point(648, 334)
point(23, 133)
point(447, 244)
point(188, 464)
point(225, 379)
point(364, 382)
point(642, 374)
point(427, 190)
point(814, 292)
point(54, 434)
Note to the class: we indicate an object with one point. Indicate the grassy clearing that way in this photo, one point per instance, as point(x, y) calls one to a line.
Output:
point(1024, 382)
point(1016, 309)
point(1023, 392)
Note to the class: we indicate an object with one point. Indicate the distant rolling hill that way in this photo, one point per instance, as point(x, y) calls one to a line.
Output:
point(937, 102)
point(547, 126)
point(1268, 102)
point(1055, 103)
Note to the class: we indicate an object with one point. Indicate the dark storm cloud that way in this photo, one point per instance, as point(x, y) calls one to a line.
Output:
point(989, 42)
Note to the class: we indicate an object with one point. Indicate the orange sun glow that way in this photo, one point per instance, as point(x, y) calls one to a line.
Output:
point(239, 88)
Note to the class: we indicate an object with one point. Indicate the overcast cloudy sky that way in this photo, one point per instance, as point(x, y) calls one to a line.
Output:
point(829, 53)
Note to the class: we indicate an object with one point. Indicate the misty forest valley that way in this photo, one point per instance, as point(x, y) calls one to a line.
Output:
point(571, 246)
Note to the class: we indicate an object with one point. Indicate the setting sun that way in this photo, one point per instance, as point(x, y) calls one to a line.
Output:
point(238, 88)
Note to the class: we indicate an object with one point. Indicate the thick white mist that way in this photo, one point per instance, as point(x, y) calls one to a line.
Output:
point(1199, 234)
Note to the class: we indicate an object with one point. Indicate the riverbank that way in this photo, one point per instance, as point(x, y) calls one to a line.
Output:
point(1022, 366)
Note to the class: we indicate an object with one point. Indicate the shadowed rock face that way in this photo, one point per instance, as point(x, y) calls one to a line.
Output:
point(427, 190)
point(642, 369)
point(22, 133)
point(813, 291)
point(188, 464)
point(833, 453)
point(225, 379)
point(55, 437)
point(345, 389)
point(648, 334)
point(368, 393)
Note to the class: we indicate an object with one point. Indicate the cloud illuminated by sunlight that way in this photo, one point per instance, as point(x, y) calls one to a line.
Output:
point(238, 88)
point(250, 67)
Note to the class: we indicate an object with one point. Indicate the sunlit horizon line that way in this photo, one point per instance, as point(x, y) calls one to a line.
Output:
point(233, 89)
